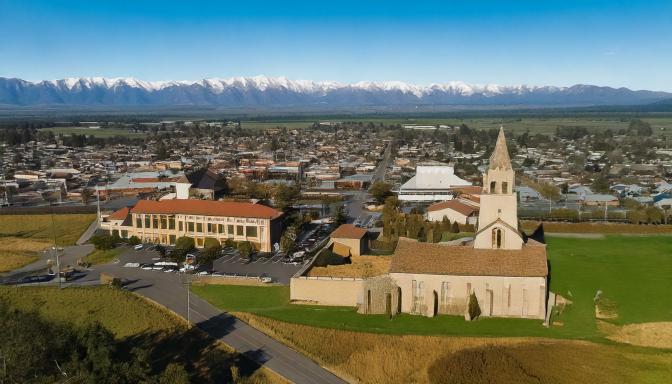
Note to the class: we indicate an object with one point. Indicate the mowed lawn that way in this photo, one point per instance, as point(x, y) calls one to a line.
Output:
point(22, 237)
point(632, 271)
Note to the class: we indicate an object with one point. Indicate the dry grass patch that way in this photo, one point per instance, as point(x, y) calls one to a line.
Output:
point(361, 266)
point(376, 358)
point(17, 252)
point(656, 335)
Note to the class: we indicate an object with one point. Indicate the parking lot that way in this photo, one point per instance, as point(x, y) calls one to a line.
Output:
point(261, 264)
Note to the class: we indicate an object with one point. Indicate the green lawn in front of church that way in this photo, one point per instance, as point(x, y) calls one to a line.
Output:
point(632, 271)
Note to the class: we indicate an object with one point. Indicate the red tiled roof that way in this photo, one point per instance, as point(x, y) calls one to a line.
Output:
point(348, 231)
point(119, 214)
point(206, 208)
point(463, 260)
point(454, 205)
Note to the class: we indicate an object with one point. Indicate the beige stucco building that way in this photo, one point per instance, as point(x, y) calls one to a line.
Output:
point(349, 240)
point(163, 222)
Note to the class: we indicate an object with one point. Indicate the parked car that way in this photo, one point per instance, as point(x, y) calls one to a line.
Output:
point(138, 247)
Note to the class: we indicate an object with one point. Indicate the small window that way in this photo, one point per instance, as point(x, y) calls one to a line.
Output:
point(199, 227)
point(181, 225)
point(505, 187)
point(493, 186)
point(240, 230)
point(190, 226)
point(229, 230)
point(251, 231)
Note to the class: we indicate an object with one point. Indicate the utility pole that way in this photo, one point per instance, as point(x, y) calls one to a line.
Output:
point(187, 284)
point(55, 249)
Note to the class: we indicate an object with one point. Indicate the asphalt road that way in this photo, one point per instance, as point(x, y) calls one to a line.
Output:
point(168, 289)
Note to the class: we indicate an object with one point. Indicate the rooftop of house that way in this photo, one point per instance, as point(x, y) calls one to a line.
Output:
point(455, 205)
point(348, 231)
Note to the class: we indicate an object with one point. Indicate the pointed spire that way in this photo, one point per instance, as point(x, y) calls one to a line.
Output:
point(500, 155)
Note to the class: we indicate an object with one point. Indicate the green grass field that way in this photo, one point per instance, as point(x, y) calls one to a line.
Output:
point(634, 272)
point(99, 132)
point(101, 256)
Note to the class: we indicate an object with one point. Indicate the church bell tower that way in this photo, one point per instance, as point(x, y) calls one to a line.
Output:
point(498, 216)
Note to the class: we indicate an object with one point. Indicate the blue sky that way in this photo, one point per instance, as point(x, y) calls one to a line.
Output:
point(615, 43)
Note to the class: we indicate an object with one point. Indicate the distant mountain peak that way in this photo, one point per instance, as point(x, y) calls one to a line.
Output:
point(264, 91)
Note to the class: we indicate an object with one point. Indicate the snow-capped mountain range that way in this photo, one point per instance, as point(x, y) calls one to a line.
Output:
point(262, 91)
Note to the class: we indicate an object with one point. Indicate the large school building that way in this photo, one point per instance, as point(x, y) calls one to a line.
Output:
point(163, 222)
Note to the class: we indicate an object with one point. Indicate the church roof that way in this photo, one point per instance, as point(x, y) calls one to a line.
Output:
point(463, 260)
point(500, 156)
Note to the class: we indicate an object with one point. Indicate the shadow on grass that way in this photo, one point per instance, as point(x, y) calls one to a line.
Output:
point(198, 352)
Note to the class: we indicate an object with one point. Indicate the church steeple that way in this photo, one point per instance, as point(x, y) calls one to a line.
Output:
point(499, 159)
point(499, 177)
point(498, 216)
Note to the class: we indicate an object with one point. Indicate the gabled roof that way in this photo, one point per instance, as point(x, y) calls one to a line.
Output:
point(206, 208)
point(119, 214)
point(454, 205)
point(348, 231)
point(463, 260)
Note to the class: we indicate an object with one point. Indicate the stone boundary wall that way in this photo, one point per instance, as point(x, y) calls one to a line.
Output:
point(326, 290)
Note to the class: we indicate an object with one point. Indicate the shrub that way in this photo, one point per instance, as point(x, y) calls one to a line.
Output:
point(133, 240)
point(184, 243)
point(103, 242)
point(474, 308)
point(212, 249)
point(245, 249)
point(229, 243)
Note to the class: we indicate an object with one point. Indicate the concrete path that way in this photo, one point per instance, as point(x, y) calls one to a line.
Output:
point(88, 233)
point(69, 256)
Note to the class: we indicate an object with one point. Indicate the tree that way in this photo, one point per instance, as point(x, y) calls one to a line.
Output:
point(341, 216)
point(287, 239)
point(380, 190)
point(211, 250)
point(245, 249)
point(284, 196)
point(174, 374)
point(103, 242)
point(549, 192)
point(474, 308)
point(455, 227)
point(640, 128)
point(133, 240)
point(86, 196)
point(183, 245)
point(162, 151)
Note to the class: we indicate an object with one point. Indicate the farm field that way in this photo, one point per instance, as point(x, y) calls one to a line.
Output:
point(96, 132)
point(167, 336)
point(22, 237)
point(514, 125)
point(579, 268)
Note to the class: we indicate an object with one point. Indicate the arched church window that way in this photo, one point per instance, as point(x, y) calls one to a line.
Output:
point(497, 238)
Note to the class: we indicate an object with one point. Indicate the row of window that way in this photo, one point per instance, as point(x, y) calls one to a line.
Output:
point(197, 227)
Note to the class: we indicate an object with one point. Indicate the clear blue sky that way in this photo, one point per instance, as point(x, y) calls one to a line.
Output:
point(615, 43)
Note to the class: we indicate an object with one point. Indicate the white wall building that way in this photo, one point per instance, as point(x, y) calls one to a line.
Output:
point(431, 183)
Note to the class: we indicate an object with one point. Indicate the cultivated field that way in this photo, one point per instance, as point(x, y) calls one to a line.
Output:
point(167, 336)
point(22, 237)
point(97, 132)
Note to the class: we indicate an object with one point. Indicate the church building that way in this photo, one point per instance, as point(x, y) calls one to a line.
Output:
point(507, 271)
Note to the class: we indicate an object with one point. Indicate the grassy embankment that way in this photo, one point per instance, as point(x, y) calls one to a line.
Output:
point(95, 132)
point(632, 272)
point(102, 256)
point(22, 237)
point(167, 336)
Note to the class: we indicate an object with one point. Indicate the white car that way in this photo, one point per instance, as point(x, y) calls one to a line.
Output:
point(203, 273)
point(138, 247)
